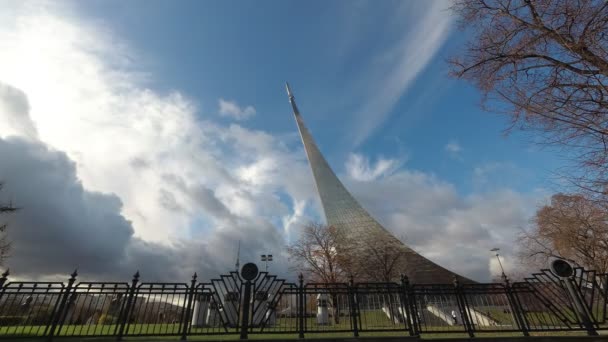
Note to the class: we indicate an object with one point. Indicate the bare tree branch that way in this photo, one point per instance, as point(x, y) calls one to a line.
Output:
point(548, 62)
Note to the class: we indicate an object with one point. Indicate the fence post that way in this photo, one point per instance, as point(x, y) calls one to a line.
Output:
point(463, 308)
point(416, 315)
point(354, 313)
point(126, 312)
point(58, 315)
point(516, 310)
point(408, 315)
point(187, 314)
point(4, 277)
point(246, 310)
point(3, 280)
point(581, 308)
point(301, 307)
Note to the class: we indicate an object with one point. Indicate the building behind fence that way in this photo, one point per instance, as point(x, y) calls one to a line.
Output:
point(259, 303)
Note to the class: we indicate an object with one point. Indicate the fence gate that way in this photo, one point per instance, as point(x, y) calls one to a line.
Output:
point(239, 302)
point(550, 303)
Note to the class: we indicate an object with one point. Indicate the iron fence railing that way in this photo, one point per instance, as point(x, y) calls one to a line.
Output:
point(268, 305)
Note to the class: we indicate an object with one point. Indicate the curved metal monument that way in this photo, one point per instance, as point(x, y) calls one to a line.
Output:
point(343, 212)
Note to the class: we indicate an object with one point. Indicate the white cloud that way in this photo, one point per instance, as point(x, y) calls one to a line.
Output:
point(86, 100)
point(182, 189)
point(358, 167)
point(171, 167)
point(233, 110)
point(393, 71)
point(14, 105)
point(493, 175)
point(453, 230)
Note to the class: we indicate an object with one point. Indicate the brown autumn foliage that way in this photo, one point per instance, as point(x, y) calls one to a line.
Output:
point(544, 63)
point(315, 254)
point(572, 227)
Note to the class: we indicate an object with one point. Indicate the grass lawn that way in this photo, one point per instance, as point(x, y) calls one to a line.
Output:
point(150, 328)
point(285, 328)
point(323, 335)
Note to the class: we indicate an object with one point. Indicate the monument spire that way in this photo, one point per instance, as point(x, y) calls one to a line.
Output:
point(288, 90)
point(292, 100)
point(343, 212)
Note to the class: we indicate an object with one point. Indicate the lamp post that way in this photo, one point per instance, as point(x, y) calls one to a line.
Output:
point(495, 249)
point(266, 258)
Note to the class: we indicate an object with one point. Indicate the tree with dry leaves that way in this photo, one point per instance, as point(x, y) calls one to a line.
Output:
point(571, 227)
point(545, 64)
point(5, 244)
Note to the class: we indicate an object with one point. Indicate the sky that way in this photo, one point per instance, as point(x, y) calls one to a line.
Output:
point(154, 135)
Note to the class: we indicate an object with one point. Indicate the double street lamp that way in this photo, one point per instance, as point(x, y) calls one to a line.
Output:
point(266, 258)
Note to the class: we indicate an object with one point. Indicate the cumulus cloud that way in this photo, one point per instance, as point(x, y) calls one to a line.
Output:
point(180, 188)
point(62, 226)
point(14, 110)
point(58, 213)
point(233, 110)
point(454, 230)
point(114, 176)
point(494, 175)
point(127, 138)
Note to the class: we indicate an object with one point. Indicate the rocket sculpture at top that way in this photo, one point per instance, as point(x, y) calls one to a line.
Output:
point(343, 212)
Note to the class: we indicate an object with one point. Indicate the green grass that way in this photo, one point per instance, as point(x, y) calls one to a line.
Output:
point(498, 314)
point(234, 337)
point(548, 319)
point(370, 320)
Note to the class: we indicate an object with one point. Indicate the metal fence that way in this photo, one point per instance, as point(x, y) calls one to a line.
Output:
point(265, 304)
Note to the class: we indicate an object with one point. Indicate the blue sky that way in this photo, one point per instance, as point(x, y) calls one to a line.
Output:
point(175, 116)
point(245, 51)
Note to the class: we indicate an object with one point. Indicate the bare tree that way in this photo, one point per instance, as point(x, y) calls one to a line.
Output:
point(572, 227)
point(546, 62)
point(5, 244)
point(317, 255)
point(327, 256)
point(381, 258)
